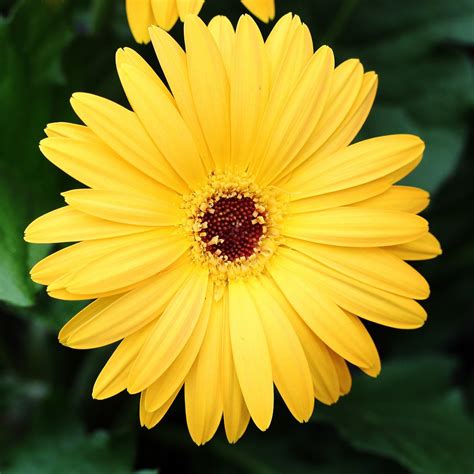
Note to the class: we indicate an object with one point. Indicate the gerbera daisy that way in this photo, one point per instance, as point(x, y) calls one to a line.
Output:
point(231, 236)
point(164, 13)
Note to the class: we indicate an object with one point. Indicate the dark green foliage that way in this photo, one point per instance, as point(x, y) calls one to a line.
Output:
point(416, 417)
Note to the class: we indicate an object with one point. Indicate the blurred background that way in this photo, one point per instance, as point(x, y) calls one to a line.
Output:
point(415, 418)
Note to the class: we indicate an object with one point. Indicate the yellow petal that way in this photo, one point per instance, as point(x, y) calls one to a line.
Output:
point(151, 419)
point(164, 124)
point(165, 12)
point(127, 208)
point(113, 377)
point(263, 9)
point(355, 227)
point(345, 379)
point(249, 90)
point(211, 97)
point(204, 407)
point(290, 367)
point(301, 114)
point(84, 315)
point(123, 132)
point(319, 311)
point(424, 248)
point(354, 120)
point(68, 225)
point(128, 265)
point(323, 372)
point(96, 165)
point(131, 57)
point(127, 314)
point(71, 130)
point(288, 64)
point(171, 332)
point(157, 393)
point(374, 266)
point(338, 198)
point(187, 7)
point(224, 35)
point(251, 355)
point(173, 62)
point(359, 298)
point(355, 165)
point(345, 86)
point(139, 16)
point(70, 258)
point(236, 414)
point(399, 198)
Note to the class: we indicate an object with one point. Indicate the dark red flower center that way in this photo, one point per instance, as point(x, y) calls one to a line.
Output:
point(233, 227)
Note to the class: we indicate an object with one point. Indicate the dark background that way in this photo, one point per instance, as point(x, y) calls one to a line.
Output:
point(416, 417)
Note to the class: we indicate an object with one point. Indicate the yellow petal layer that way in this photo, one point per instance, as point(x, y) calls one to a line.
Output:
point(263, 9)
point(128, 313)
point(251, 356)
point(290, 367)
point(119, 206)
point(69, 225)
point(424, 248)
point(355, 227)
point(171, 332)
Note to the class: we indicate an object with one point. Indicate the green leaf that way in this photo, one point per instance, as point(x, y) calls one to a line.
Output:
point(408, 414)
point(67, 448)
point(32, 40)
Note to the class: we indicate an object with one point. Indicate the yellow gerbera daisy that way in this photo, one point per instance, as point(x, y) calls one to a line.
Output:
point(164, 13)
point(231, 236)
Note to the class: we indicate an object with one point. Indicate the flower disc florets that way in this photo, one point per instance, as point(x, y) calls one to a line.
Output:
point(233, 225)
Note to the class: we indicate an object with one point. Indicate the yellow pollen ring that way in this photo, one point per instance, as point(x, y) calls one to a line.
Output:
point(265, 213)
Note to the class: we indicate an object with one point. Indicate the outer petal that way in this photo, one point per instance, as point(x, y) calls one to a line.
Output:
point(151, 419)
point(157, 393)
point(210, 88)
point(165, 13)
point(251, 355)
point(127, 208)
point(164, 124)
point(319, 311)
point(374, 266)
point(121, 317)
point(69, 258)
point(236, 414)
point(359, 298)
point(224, 35)
point(323, 372)
point(204, 407)
point(301, 114)
point(399, 198)
point(173, 62)
point(424, 248)
point(355, 165)
point(263, 9)
point(139, 16)
point(171, 332)
point(113, 377)
point(123, 132)
point(68, 225)
point(96, 165)
point(345, 86)
point(187, 7)
point(355, 227)
point(290, 367)
point(249, 90)
point(128, 265)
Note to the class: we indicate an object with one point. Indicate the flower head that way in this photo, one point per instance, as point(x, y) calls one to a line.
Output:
point(230, 234)
point(164, 13)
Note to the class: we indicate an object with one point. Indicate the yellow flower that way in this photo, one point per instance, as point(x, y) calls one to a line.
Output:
point(164, 13)
point(230, 234)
